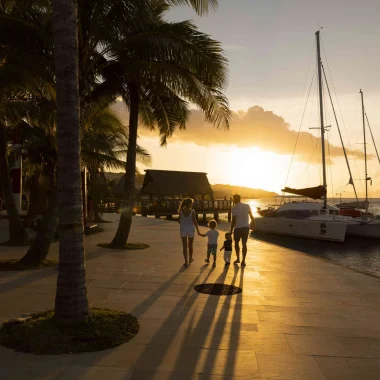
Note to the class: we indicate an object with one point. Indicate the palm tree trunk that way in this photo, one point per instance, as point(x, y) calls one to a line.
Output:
point(41, 244)
point(125, 222)
point(17, 233)
point(71, 303)
point(34, 204)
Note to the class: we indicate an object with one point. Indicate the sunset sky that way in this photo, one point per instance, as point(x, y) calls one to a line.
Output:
point(270, 45)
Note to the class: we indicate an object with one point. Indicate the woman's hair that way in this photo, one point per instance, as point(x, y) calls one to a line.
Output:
point(186, 202)
point(212, 224)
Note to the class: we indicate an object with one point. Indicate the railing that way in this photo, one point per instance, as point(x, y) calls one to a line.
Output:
point(169, 206)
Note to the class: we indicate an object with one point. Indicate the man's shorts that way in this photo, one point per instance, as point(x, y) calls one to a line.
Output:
point(241, 233)
point(212, 248)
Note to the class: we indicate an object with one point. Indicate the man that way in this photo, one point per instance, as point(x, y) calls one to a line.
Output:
point(241, 213)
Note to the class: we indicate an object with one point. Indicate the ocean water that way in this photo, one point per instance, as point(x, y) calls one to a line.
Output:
point(356, 253)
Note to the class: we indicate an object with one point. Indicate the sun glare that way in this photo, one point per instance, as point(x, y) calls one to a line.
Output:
point(255, 168)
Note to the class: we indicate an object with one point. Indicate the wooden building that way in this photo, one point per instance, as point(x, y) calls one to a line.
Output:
point(175, 184)
point(163, 190)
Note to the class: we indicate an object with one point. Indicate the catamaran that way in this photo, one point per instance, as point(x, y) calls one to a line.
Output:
point(308, 219)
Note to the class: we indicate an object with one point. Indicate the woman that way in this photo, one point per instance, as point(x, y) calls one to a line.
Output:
point(188, 223)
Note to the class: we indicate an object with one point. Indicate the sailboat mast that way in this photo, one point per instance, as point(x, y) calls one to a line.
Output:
point(319, 62)
point(365, 149)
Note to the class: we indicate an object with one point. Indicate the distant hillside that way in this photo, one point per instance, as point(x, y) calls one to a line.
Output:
point(245, 192)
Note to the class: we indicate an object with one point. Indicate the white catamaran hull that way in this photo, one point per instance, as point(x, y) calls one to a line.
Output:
point(306, 228)
point(369, 230)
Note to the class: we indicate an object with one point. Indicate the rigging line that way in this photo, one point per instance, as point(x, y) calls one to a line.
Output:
point(307, 167)
point(299, 129)
point(373, 140)
point(307, 75)
point(303, 92)
point(330, 164)
point(340, 111)
point(340, 135)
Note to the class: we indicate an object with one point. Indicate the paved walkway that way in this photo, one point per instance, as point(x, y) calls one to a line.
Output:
point(297, 318)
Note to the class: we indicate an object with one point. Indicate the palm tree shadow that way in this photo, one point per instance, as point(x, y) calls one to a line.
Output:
point(214, 341)
point(162, 340)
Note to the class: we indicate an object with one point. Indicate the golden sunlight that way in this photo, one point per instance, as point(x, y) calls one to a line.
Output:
point(255, 168)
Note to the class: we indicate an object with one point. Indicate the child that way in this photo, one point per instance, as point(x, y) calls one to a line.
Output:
point(227, 246)
point(212, 245)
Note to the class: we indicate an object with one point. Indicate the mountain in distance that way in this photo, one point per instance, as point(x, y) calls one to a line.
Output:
point(221, 190)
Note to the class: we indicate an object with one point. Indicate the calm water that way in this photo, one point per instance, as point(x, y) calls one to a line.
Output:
point(359, 254)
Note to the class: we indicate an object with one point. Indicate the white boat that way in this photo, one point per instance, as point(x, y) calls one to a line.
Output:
point(307, 219)
point(304, 219)
point(320, 220)
point(363, 223)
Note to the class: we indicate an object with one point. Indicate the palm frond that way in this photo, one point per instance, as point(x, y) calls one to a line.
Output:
point(200, 6)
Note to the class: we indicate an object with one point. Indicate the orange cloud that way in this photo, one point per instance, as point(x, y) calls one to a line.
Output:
point(256, 127)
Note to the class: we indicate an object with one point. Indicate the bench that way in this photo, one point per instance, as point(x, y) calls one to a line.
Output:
point(88, 228)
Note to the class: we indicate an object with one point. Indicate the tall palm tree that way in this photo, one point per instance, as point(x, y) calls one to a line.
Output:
point(71, 303)
point(164, 66)
point(21, 73)
point(17, 233)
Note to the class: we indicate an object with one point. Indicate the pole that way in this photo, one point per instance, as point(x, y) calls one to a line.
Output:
point(16, 170)
point(365, 149)
point(373, 140)
point(340, 134)
point(319, 62)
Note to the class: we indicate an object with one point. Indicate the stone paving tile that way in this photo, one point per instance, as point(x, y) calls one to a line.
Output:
point(280, 328)
point(82, 372)
point(164, 375)
point(289, 318)
point(289, 366)
point(294, 310)
point(316, 345)
point(348, 368)
point(15, 370)
point(328, 320)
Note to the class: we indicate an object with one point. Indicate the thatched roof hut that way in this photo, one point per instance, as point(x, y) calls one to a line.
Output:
point(175, 183)
point(118, 189)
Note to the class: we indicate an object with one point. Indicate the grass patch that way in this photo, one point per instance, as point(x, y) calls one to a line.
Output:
point(128, 246)
point(39, 333)
point(9, 243)
point(9, 265)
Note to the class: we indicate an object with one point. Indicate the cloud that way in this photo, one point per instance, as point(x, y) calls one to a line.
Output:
point(255, 127)
point(233, 47)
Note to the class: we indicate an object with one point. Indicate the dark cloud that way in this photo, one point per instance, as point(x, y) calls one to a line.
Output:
point(256, 127)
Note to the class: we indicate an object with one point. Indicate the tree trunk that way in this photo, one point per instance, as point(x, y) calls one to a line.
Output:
point(34, 200)
point(126, 209)
point(45, 233)
point(17, 233)
point(71, 303)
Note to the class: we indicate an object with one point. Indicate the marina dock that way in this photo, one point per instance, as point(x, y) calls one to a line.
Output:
point(297, 317)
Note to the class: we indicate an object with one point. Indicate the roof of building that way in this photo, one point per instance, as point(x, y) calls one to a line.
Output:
point(168, 182)
point(118, 189)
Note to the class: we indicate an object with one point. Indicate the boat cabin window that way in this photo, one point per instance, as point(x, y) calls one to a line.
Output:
point(333, 212)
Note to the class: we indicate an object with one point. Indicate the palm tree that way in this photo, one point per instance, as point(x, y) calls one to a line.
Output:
point(71, 303)
point(17, 233)
point(21, 74)
point(165, 65)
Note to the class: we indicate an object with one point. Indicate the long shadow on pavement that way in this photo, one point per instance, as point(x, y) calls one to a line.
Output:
point(162, 340)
